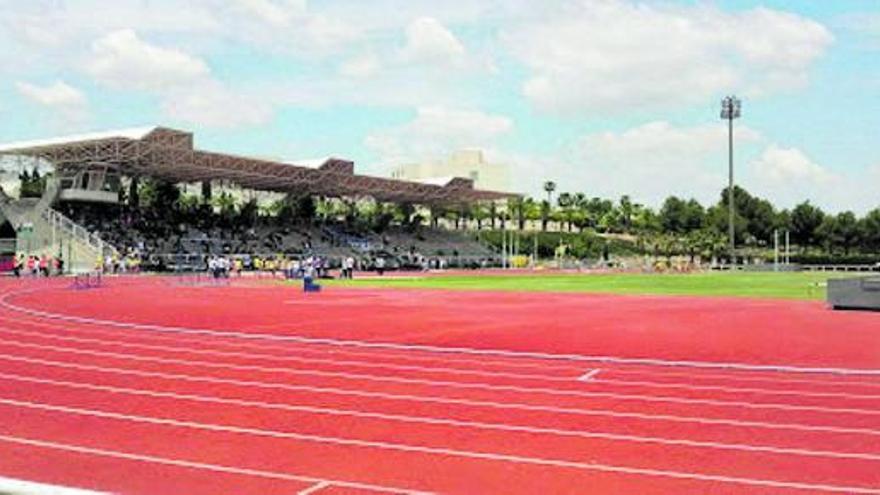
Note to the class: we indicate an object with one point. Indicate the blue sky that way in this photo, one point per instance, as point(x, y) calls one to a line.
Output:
point(607, 97)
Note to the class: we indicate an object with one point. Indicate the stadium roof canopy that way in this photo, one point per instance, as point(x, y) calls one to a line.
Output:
point(169, 154)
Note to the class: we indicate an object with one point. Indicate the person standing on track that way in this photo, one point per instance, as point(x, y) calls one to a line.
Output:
point(44, 266)
point(380, 265)
point(349, 267)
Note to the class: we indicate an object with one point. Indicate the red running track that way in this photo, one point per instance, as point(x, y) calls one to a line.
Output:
point(145, 387)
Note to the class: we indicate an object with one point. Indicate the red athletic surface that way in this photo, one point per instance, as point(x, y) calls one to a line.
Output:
point(122, 389)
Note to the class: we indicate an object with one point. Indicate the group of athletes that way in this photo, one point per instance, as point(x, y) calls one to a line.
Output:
point(36, 266)
point(314, 267)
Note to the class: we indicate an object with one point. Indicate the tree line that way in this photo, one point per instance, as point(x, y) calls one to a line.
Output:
point(755, 222)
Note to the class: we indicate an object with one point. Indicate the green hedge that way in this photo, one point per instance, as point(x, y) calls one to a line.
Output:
point(830, 259)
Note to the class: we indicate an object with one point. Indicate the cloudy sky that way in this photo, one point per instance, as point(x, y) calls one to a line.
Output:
point(606, 97)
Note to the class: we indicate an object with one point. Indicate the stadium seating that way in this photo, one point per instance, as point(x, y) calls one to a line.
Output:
point(181, 240)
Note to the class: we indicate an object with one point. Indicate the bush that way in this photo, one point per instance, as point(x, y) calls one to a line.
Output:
point(581, 245)
point(831, 259)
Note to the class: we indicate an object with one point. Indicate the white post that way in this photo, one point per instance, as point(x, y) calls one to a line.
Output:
point(535, 250)
point(775, 250)
point(787, 247)
point(503, 245)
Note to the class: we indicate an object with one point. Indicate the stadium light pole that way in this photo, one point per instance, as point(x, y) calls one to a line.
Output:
point(731, 108)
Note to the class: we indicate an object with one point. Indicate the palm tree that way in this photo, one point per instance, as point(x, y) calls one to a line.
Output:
point(493, 214)
point(549, 187)
point(480, 213)
point(518, 206)
point(566, 203)
point(546, 210)
point(532, 210)
point(626, 211)
point(225, 202)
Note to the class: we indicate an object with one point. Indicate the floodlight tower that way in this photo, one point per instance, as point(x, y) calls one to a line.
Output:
point(731, 108)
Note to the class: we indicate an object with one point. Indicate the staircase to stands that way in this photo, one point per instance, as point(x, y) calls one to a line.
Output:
point(51, 232)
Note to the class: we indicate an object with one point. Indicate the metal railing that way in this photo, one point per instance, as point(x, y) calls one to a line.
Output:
point(50, 194)
point(58, 222)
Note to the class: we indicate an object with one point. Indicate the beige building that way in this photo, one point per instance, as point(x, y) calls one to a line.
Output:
point(470, 164)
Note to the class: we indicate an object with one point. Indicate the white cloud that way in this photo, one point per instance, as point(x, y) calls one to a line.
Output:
point(214, 105)
point(66, 107)
point(592, 56)
point(274, 13)
point(658, 159)
point(649, 162)
point(57, 95)
point(361, 66)
point(123, 60)
point(789, 166)
point(183, 82)
point(429, 41)
point(789, 176)
point(436, 131)
point(289, 26)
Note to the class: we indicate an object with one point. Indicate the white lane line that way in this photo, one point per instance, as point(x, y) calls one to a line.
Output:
point(737, 376)
point(270, 369)
point(515, 406)
point(588, 375)
point(4, 301)
point(475, 385)
point(737, 390)
point(296, 359)
point(217, 468)
point(455, 423)
point(409, 356)
point(11, 486)
point(314, 488)
point(423, 449)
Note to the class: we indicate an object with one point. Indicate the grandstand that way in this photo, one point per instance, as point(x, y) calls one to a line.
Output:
point(90, 205)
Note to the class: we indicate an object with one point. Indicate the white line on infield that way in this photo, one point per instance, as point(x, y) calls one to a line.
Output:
point(589, 375)
point(20, 487)
point(315, 488)
point(517, 459)
point(438, 349)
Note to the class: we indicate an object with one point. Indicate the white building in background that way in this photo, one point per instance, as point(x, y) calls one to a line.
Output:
point(469, 164)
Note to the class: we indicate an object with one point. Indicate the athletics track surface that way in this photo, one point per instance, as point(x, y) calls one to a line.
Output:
point(142, 387)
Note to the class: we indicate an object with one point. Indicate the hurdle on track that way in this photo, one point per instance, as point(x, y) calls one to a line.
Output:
point(87, 280)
